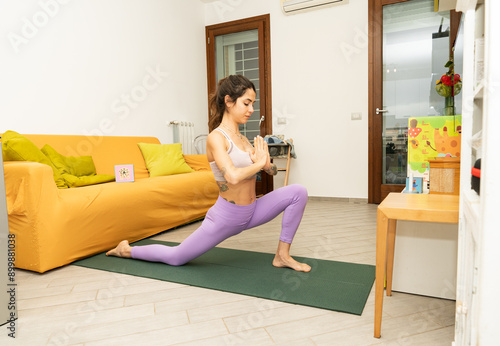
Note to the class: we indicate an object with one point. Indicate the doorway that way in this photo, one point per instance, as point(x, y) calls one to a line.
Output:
point(409, 45)
point(243, 47)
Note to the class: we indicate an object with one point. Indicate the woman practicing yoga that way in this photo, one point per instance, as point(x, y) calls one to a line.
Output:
point(235, 163)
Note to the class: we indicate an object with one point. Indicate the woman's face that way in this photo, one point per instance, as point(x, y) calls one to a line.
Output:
point(242, 109)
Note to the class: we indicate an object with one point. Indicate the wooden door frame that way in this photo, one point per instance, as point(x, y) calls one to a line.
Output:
point(375, 100)
point(376, 191)
point(263, 25)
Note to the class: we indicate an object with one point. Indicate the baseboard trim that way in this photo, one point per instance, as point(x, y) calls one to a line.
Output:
point(339, 199)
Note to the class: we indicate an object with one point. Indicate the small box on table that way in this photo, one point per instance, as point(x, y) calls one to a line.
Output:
point(444, 175)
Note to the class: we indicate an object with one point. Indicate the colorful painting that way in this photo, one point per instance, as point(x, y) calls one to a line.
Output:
point(430, 137)
point(124, 173)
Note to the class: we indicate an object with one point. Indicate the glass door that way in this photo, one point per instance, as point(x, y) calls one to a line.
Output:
point(238, 53)
point(415, 51)
point(408, 50)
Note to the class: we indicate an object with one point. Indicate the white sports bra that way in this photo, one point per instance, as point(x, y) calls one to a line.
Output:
point(239, 157)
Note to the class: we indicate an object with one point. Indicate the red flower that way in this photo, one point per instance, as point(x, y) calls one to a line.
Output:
point(446, 80)
point(450, 83)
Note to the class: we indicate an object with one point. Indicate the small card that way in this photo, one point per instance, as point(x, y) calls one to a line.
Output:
point(416, 187)
point(124, 173)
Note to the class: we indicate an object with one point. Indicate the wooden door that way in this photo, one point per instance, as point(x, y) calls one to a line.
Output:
point(245, 46)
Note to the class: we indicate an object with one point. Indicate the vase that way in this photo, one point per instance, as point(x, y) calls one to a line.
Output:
point(449, 106)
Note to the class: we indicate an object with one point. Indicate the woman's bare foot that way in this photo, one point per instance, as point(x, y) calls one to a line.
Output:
point(289, 262)
point(284, 260)
point(121, 250)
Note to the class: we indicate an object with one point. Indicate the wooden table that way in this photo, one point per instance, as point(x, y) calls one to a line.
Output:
point(404, 206)
point(287, 156)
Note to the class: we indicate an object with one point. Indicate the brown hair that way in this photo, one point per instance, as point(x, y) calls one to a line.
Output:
point(234, 86)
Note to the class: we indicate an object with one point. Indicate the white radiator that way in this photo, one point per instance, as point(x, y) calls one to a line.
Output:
point(183, 132)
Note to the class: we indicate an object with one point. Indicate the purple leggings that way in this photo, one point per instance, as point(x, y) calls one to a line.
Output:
point(225, 219)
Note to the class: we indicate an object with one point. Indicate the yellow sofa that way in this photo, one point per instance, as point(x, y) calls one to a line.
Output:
point(54, 227)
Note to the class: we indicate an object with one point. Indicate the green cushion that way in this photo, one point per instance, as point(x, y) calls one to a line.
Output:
point(78, 166)
point(16, 147)
point(76, 171)
point(74, 181)
point(164, 159)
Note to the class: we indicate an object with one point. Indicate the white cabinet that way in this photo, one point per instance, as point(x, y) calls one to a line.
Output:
point(425, 259)
point(478, 275)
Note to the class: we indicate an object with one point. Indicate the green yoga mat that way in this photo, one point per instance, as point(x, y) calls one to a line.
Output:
point(329, 285)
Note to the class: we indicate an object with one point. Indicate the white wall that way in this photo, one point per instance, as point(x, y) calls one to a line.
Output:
point(319, 76)
point(68, 66)
point(69, 76)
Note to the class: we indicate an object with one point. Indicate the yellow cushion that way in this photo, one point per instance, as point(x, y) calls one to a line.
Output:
point(84, 180)
point(16, 147)
point(78, 166)
point(164, 159)
point(76, 171)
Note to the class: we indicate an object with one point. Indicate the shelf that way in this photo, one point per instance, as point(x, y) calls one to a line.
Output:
point(477, 276)
point(478, 91)
point(473, 200)
point(476, 144)
point(472, 212)
point(466, 5)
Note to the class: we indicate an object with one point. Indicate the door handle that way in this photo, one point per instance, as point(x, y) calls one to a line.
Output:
point(261, 120)
point(377, 111)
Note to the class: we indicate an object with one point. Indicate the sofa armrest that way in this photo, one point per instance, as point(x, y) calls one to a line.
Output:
point(32, 201)
point(26, 183)
point(198, 162)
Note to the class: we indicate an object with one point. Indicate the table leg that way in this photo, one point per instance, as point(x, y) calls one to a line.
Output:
point(288, 160)
point(382, 230)
point(390, 255)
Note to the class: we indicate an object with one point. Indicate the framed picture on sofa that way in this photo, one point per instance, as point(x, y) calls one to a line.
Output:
point(124, 173)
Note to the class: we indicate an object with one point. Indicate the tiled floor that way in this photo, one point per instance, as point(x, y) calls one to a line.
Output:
point(79, 306)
